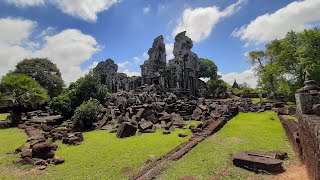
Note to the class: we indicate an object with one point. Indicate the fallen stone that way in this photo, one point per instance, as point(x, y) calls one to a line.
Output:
point(182, 135)
point(57, 160)
point(126, 130)
point(255, 162)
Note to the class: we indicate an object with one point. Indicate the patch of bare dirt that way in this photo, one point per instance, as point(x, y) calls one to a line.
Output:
point(296, 171)
point(20, 173)
point(126, 170)
point(187, 178)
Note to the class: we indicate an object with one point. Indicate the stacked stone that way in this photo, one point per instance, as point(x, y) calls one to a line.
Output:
point(308, 97)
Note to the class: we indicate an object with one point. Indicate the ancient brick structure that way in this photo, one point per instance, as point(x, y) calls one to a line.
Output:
point(178, 76)
point(115, 81)
point(304, 135)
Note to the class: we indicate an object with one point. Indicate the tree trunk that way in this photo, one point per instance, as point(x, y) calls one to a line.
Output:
point(16, 116)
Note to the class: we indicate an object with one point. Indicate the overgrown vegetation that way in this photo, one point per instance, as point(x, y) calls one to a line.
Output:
point(18, 92)
point(281, 66)
point(246, 131)
point(87, 114)
point(78, 92)
point(44, 72)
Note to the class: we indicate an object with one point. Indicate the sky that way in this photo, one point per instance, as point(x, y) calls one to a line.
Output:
point(76, 35)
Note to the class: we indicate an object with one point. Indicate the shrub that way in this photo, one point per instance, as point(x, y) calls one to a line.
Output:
point(62, 105)
point(86, 114)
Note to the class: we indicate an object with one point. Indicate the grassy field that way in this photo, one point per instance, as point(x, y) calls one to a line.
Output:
point(100, 156)
point(10, 139)
point(4, 116)
point(211, 158)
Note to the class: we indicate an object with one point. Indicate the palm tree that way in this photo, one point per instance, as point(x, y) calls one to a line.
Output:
point(18, 92)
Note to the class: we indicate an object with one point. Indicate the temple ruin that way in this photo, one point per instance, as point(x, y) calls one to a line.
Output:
point(179, 75)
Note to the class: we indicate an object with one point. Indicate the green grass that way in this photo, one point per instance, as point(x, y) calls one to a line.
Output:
point(10, 139)
point(256, 100)
point(247, 131)
point(103, 156)
point(288, 117)
point(4, 116)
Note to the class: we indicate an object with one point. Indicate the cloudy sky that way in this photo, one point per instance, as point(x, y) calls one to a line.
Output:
point(77, 34)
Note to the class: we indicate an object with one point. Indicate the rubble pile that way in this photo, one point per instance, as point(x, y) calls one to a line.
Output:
point(150, 109)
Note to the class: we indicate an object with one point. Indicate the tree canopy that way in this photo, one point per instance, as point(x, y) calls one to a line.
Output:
point(44, 72)
point(19, 91)
point(78, 92)
point(282, 65)
point(207, 69)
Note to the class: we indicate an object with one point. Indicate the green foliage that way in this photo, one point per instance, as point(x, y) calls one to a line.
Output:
point(44, 72)
point(78, 92)
point(21, 91)
point(87, 114)
point(4, 116)
point(246, 131)
point(281, 67)
point(207, 69)
point(62, 105)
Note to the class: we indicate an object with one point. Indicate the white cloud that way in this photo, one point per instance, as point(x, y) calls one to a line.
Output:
point(146, 10)
point(83, 9)
point(25, 3)
point(123, 64)
point(131, 73)
point(247, 76)
point(68, 48)
point(205, 79)
point(200, 22)
point(169, 51)
point(15, 31)
point(295, 16)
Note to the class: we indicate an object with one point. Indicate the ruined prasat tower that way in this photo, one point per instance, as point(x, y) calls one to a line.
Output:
point(178, 76)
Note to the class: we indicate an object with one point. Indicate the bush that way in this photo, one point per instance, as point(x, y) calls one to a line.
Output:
point(86, 114)
point(62, 105)
point(78, 92)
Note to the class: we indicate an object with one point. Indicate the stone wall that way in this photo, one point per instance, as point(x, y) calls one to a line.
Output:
point(310, 143)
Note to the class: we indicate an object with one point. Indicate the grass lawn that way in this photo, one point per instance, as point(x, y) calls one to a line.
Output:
point(10, 139)
point(247, 131)
point(4, 116)
point(100, 156)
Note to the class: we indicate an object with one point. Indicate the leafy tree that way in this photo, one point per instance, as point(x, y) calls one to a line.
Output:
point(86, 114)
point(19, 92)
point(78, 92)
point(207, 69)
point(281, 66)
point(44, 72)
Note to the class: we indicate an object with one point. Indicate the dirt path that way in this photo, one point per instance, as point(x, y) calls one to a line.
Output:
point(296, 171)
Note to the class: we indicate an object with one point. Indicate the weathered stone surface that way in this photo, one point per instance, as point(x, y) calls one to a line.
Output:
point(256, 161)
point(316, 109)
point(57, 160)
point(43, 150)
point(126, 130)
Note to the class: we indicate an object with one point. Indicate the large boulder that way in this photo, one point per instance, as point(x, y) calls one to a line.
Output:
point(126, 130)
point(43, 150)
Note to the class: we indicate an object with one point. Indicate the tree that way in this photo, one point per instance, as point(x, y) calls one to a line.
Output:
point(78, 92)
point(207, 69)
point(19, 92)
point(44, 72)
point(281, 66)
point(87, 113)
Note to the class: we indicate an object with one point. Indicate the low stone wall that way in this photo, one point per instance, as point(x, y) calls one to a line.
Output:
point(310, 142)
point(253, 95)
